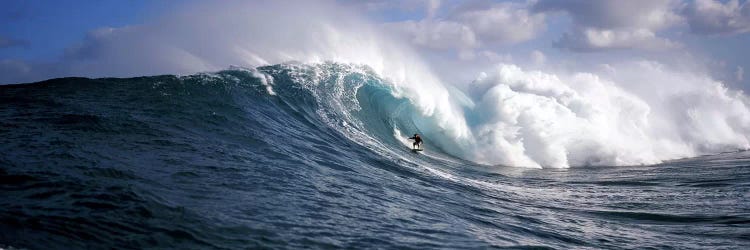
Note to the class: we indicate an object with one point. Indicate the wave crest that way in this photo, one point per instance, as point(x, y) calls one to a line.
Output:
point(531, 118)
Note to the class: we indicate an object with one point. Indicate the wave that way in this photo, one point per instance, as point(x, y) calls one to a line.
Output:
point(643, 114)
point(508, 117)
point(528, 118)
point(534, 119)
point(520, 118)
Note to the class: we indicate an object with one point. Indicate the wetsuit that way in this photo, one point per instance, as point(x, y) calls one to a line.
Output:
point(417, 141)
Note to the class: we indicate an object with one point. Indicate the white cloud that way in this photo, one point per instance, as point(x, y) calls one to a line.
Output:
point(498, 24)
point(613, 14)
point(502, 23)
point(208, 37)
point(710, 17)
point(592, 39)
point(613, 24)
point(436, 34)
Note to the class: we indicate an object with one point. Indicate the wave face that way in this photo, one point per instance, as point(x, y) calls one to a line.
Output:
point(301, 155)
point(508, 117)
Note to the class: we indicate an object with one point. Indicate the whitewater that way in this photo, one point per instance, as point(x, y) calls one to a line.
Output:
point(304, 144)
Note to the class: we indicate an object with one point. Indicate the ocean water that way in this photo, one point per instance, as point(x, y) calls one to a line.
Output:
point(315, 156)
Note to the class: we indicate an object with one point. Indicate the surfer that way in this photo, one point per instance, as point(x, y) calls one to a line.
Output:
point(417, 141)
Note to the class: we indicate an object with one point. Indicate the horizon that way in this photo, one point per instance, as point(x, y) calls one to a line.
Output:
point(43, 40)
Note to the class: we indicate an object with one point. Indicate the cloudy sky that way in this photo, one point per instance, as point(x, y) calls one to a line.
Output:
point(457, 39)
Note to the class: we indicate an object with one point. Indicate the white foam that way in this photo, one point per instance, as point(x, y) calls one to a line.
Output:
point(537, 119)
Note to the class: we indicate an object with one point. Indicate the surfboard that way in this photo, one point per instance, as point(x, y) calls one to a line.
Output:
point(416, 150)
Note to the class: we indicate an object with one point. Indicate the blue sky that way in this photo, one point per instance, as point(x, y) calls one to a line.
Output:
point(44, 29)
point(37, 38)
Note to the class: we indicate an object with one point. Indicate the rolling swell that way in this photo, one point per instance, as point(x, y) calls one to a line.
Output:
point(102, 157)
point(292, 156)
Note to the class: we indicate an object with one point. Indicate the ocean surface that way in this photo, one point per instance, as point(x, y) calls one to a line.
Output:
point(315, 156)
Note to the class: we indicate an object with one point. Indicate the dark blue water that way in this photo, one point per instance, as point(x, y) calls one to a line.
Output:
point(214, 161)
